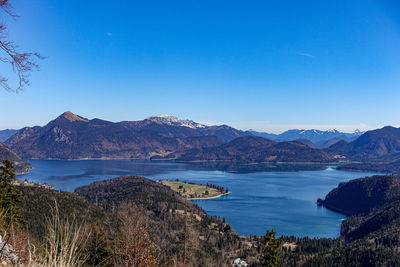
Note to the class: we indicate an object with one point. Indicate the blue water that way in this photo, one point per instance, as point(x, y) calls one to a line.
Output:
point(284, 201)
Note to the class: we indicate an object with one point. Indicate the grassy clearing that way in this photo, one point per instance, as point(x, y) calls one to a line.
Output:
point(192, 191)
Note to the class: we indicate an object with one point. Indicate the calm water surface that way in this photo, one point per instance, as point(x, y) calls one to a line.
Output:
point(259, 200)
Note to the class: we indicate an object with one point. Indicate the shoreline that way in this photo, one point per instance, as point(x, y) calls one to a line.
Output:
point(191, 161)
point(200, 198)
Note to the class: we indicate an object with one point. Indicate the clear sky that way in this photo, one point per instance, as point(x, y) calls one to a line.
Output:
point(266, 65)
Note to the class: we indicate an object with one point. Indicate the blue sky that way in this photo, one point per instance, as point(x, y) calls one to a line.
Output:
point(266, 65)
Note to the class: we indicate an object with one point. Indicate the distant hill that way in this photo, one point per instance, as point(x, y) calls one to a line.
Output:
point(257, 149)
point(20, 165)
point(306, 142)
point(5, 134)
point(318, 137)
point(70, 136)
point(381, 145)
point(264, 134)
point(327, 143)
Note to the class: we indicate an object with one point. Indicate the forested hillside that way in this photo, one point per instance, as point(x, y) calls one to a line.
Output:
point(369, 237)
point(183, 228)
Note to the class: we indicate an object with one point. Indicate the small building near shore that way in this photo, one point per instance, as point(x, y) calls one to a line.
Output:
point(238, 262)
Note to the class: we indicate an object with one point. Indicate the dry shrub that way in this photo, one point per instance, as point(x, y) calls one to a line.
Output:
point(64, 243)
point(134, 242)
point(12, 235)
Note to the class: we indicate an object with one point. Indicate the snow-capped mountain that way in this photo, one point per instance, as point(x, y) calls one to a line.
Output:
point(313, 135)
point(174, 121)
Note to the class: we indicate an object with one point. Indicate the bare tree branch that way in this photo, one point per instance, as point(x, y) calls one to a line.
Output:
point(23, 63)
point(7, 7)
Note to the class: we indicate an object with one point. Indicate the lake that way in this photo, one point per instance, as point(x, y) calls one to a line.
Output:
point(261, 198)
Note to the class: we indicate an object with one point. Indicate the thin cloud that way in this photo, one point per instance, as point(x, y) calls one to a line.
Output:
point(306, 55)
point(109, 33)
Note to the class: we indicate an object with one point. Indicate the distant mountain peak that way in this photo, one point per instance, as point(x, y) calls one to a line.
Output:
point(332, 131)
point(163, 117)
point(71, 117)
point(174, 121)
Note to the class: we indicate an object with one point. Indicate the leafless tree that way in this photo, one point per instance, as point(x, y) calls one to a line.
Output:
point(22, 63)
point(135, 245)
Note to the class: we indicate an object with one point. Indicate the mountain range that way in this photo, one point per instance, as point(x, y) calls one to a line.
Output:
point(71, 136)
point(321, 139)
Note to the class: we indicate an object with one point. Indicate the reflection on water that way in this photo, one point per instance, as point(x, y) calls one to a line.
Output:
point(263, 196)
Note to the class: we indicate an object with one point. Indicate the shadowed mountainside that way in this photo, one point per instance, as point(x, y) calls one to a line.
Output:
point(257, 149)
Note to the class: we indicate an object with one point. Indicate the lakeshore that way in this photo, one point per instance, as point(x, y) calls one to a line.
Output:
point(221, 195)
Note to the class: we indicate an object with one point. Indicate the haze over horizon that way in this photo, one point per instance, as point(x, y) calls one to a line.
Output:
point(266, 66)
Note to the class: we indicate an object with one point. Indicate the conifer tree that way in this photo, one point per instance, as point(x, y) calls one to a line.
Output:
point(97, 248)
point(10, 198)
point(270, 256)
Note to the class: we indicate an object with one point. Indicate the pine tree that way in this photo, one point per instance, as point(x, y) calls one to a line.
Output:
point(97, 248)
point(271, 245)
point(10, 198)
